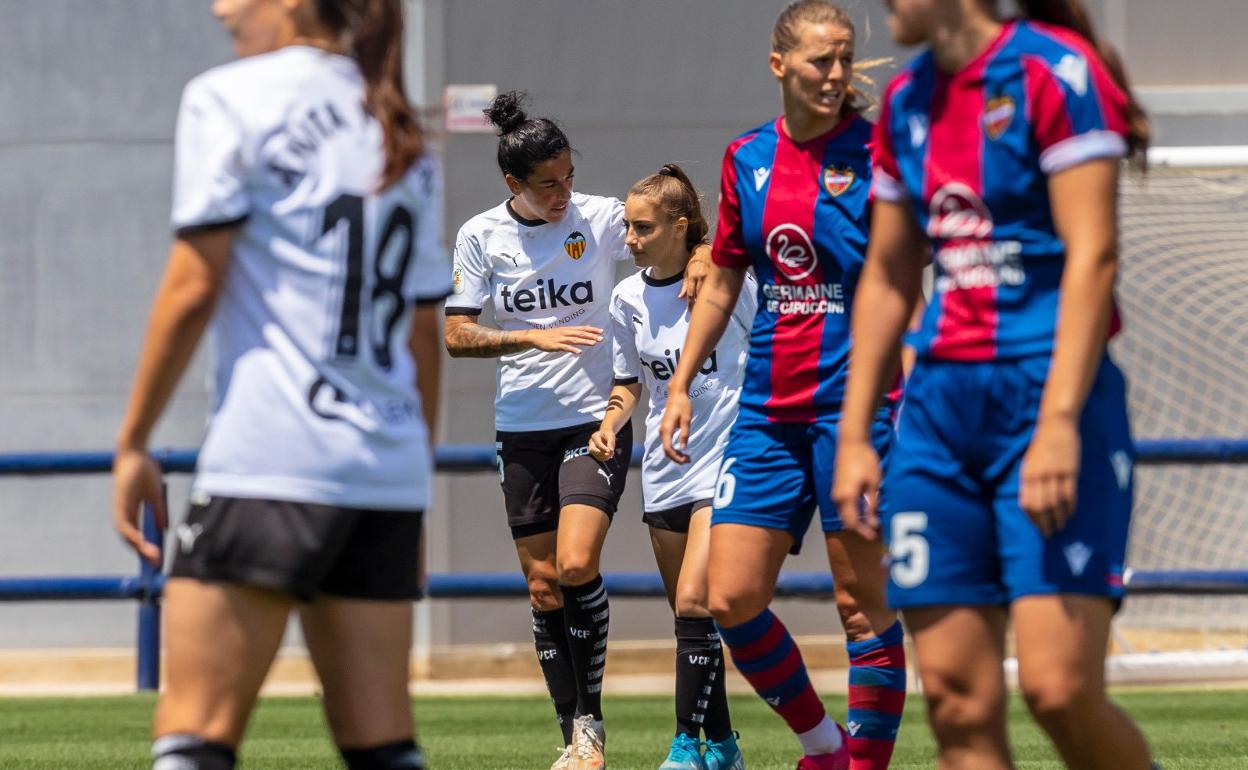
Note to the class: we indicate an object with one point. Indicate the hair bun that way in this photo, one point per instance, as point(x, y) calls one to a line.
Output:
point(505, 113)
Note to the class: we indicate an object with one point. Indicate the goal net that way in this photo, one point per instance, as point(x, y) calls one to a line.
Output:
point(1183, 291)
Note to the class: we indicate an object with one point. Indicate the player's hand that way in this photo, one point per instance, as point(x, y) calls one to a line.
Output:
point(1050, 474)
point(137, 480)
point(565, 339)
point(674, 429)
point(696, 271)
point(856, 488)
point(602, 445)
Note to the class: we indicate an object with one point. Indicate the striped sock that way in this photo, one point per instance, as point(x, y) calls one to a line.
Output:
point(877, 693)
point(768, 658)
point(587, 614)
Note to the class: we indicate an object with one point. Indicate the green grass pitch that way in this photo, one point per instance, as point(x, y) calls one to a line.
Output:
point(1189, 730)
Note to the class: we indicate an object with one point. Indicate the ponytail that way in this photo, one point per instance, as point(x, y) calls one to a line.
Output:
point(374, 29)
point(672, 191)
point(1073, 16)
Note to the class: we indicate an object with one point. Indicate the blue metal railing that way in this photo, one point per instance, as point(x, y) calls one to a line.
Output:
point(148, 585)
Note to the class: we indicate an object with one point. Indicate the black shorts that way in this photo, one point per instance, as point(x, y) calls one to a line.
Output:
point(675, 519)
point(301, 548)
point(542, 471)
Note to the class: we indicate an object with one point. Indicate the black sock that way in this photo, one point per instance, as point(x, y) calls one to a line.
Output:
point(551, 640)
point(701, 700)
point(180, 751)
point(588, 615)
point(401, 755)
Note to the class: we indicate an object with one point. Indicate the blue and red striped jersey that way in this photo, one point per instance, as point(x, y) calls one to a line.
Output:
point(972, 152)
point(797, 213)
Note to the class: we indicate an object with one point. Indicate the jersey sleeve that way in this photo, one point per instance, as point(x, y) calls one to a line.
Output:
point(615, 231)
point(428, 254)
point(886, 184)
point(210, 167)
point(728, 249)
point(625, 361)
point(1078, 113)
point(470, 276)
point(747, 303)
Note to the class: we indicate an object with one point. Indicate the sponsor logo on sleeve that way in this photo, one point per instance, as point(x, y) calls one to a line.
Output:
point(457, 280)
point(574, 245)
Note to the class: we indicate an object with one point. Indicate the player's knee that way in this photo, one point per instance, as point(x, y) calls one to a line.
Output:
point(732, 608)
point(1057, 700)
point(956, 709)
point(544, 591)
point(181, 751)
point(691, 602)
point(400, 755)
point(577, 569)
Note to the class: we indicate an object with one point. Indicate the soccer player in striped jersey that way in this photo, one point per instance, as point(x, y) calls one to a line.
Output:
point(1009, 491)
point(545, 260)
point(308, 232)
point(794, 207)
point(649, 318)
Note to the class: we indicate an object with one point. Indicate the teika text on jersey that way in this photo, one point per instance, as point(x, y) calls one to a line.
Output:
point(664, 368)
point(549, 295)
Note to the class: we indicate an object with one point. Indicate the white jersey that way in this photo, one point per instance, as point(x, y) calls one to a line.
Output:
point(649, 322)
point(541, 275)
point(315, 388)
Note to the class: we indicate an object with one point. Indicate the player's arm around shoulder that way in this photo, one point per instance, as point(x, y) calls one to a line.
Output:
point(626, 366)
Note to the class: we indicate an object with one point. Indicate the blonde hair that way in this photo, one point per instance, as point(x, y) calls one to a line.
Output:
point(671, 190)
point(784, 39)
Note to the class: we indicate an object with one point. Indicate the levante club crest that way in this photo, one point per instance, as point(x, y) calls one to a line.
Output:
point(574, 244)
point(998, 114)
point(837, 180)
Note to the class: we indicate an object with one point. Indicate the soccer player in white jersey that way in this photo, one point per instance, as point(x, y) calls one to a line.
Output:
point(307, 222)
point(648, 324)
point(545, 259)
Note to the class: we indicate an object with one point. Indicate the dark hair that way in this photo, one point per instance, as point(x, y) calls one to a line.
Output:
point(375, 31)
point(1073, 16)
point(523, 142)
point(671, 191)
point(784, 39)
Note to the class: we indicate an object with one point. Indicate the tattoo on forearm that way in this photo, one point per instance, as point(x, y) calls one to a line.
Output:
point(714, 304)
point(476, 341)
point(615, 402)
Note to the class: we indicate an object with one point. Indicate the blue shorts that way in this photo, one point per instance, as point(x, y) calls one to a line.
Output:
point(774, 473)
point(955, 530)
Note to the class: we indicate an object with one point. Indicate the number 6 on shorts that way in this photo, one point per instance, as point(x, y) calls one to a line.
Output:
point(725, 485)
point(908, 550)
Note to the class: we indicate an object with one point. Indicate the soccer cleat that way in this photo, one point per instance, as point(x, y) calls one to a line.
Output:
point(564, 762)
point(589, 740)
point(837, 760)
point(684, 755)
point(724, 755)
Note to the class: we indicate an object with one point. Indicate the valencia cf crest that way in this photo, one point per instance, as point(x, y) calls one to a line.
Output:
point(574, 244)
point(837, 180)
point(998, 114)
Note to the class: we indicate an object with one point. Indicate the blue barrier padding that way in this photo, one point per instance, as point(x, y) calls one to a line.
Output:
point(15, 589)
point(467, 458)
point(494, 585)
point(1203, 582)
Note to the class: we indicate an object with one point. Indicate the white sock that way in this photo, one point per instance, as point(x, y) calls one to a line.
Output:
point(823, 738)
